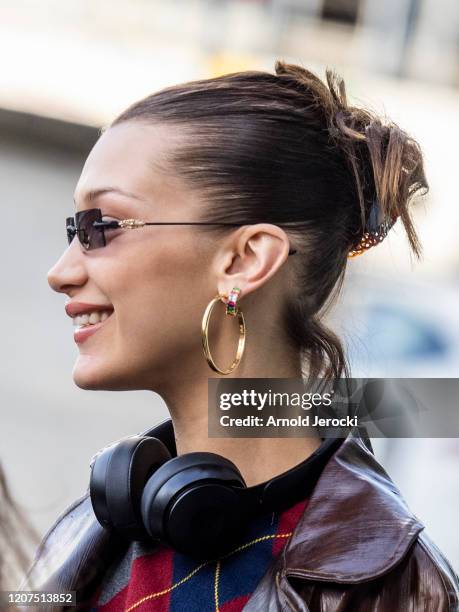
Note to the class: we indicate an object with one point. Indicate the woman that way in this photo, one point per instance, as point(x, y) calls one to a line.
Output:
point(258, 187)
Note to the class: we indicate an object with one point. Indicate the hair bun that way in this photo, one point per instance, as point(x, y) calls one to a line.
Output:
point(386, 163)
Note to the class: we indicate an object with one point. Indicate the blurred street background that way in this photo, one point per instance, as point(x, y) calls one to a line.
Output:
point(68, 68)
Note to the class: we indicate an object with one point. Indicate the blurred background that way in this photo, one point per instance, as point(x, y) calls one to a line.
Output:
point(69, 67)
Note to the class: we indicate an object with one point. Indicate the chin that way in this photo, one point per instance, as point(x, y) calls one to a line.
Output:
point(92, 376)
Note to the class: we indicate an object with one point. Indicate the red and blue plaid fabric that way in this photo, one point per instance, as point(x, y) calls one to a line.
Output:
point(159, 579)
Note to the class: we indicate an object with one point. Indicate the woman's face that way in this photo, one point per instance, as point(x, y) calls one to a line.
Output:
point(157, 278)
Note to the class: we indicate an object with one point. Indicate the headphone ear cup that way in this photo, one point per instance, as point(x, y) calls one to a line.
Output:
point(117, 479)
point(194, 503)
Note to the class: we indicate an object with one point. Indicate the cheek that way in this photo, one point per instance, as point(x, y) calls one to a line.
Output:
point(159, 293)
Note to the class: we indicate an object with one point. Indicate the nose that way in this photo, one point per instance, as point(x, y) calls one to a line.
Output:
point(69, 271)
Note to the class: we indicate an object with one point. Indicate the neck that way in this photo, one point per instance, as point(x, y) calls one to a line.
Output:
point(258, 459)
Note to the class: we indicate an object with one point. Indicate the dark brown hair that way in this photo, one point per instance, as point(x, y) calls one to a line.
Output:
point(17, 539)
point(287, 149)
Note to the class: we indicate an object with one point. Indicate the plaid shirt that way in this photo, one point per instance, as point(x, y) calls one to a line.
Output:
point(159, 579)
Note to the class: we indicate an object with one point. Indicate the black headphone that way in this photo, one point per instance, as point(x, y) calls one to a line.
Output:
point(198, 502)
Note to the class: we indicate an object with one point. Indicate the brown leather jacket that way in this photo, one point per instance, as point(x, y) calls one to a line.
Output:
point(357, 548)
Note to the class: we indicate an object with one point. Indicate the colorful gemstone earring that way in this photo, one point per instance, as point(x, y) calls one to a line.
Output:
point(233, 297)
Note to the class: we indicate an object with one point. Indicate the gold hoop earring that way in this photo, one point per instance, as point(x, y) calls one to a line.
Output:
point(205, 335)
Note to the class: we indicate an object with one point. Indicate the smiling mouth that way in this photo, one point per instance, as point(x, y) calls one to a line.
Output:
point(91, 319)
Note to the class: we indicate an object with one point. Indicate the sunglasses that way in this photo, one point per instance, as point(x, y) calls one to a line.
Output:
point(90, 228)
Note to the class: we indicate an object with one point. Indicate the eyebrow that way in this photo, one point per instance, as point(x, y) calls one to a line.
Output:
point(92, 195)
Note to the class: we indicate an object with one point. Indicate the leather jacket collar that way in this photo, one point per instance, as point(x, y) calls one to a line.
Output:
point(355, 527)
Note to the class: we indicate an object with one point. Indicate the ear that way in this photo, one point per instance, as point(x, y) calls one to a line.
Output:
point(251, 256)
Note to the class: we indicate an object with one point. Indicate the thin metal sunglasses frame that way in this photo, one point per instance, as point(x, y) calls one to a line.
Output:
point(73, 226)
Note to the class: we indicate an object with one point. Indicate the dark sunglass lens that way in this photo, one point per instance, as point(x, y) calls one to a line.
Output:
point(90, 237)
point(70, 228)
